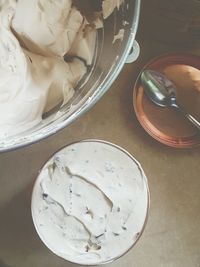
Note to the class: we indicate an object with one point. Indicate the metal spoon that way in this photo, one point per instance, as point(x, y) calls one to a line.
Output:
point(163, 92)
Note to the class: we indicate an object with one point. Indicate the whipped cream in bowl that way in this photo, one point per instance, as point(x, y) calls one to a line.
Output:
point(57, 60)
point(90, 202)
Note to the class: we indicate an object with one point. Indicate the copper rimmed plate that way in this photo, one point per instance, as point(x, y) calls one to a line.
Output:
point(162, 123)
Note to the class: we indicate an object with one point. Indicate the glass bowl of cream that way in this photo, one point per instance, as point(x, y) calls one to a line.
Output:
point(57, 59)
point(90, 202)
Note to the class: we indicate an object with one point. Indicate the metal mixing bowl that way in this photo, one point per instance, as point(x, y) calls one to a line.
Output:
point(109, 60)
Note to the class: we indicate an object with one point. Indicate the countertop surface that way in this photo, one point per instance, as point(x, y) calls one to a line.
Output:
point(172, 235)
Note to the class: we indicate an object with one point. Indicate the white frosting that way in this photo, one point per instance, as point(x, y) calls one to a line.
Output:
point(34, 78)
point(90, 202)
point(55, 25)
point(30, 83)
point(109, 5)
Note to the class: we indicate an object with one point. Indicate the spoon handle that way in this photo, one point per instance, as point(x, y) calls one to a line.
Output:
point(194, 121)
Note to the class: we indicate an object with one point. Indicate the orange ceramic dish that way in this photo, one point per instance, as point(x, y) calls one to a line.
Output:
point(162, 123)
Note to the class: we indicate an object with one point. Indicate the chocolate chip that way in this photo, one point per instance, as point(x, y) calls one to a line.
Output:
point(89, 212)
point(115, 234)
point(137, 235)
point(44, 195)
point(98, 247)
point(30, 59)
point(99, 235)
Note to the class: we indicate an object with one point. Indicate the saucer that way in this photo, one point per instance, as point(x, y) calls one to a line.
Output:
point(165, 124)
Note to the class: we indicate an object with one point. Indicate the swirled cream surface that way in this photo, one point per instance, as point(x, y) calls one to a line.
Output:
point(90, 202)
point(35, 36)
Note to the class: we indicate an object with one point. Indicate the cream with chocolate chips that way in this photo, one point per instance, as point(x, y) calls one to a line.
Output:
point(90, 202)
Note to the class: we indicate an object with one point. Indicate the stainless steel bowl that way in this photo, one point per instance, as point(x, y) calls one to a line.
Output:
point(109, 60)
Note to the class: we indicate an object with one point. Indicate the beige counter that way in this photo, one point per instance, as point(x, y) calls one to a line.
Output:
point(172, 235)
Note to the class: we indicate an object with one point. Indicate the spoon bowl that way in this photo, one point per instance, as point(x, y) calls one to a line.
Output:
point(158, 88)
point(162, 92)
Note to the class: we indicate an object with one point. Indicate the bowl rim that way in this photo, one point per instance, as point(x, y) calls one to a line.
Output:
point(144, 177)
